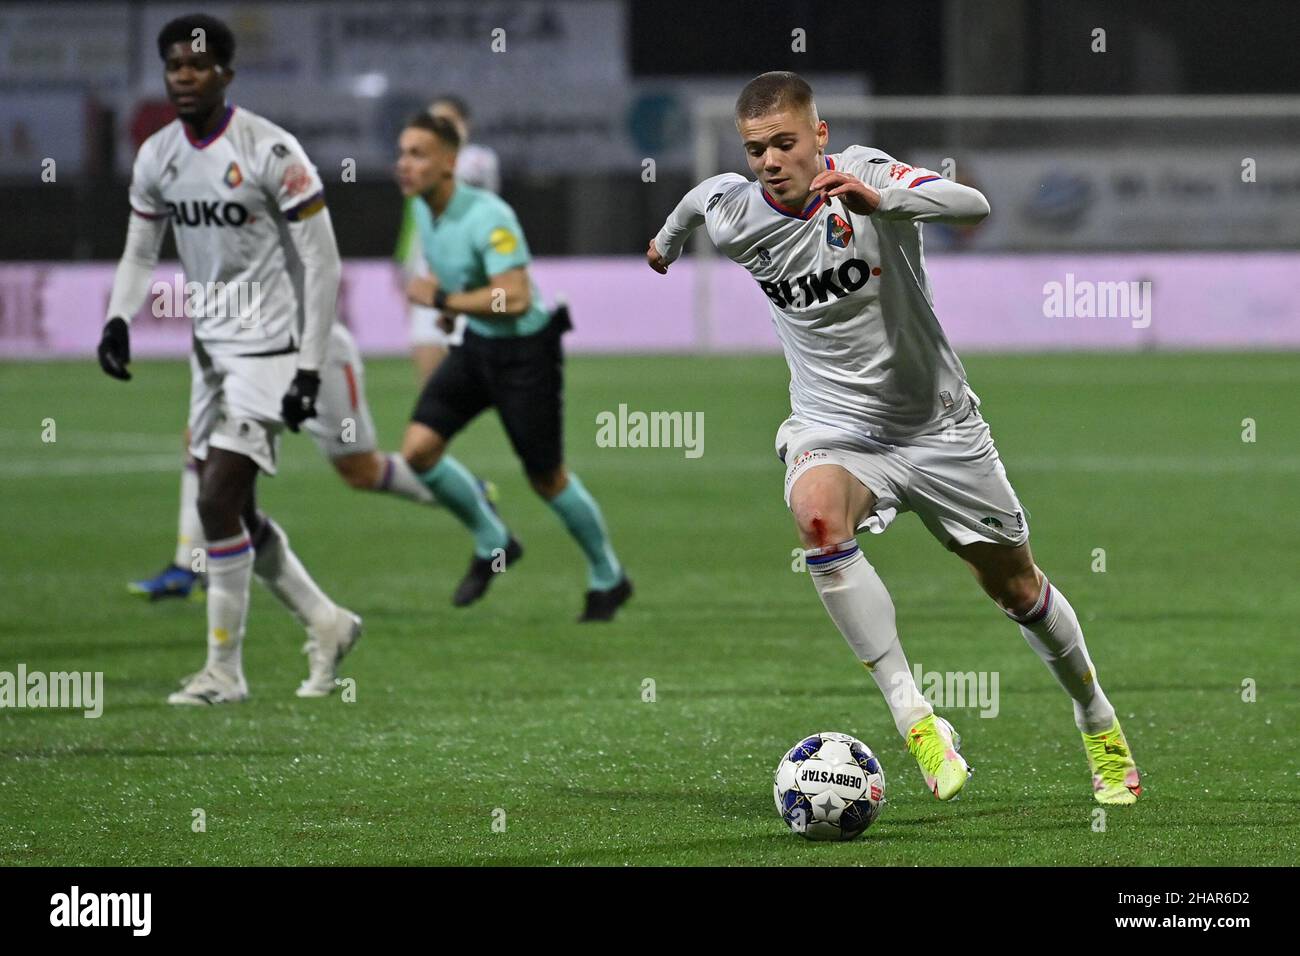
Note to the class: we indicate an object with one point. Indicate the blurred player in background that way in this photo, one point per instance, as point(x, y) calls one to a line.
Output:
point(882, 419)
point(249, 215)
point(476, 165)
point(511, 356)
point(344, 431)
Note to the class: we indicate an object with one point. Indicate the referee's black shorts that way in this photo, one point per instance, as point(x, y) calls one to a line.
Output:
point(522, 376)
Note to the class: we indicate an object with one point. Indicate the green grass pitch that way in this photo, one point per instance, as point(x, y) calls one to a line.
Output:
point(510, 706)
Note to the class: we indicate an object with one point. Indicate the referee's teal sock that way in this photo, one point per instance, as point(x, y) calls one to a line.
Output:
point(581, 515)
point(453, 485)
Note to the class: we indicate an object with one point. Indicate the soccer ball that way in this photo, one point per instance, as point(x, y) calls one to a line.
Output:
point(829, 787)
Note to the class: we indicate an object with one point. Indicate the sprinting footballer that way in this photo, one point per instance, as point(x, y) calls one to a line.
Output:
point(251, 228)
point(882, 417)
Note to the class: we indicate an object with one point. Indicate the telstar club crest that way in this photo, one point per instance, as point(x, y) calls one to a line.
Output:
point(838, 232)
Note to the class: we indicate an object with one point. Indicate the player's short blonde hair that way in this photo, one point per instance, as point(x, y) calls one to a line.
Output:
point(442, 128)
point(775, 91)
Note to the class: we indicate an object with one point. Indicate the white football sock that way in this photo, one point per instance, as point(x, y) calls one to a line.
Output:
point(1053, 631)
point(860, 606)
point(279, 569)
point(230, 570)
point(189, 529)
point(400, 479)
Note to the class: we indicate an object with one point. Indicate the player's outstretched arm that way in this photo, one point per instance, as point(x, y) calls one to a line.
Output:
point(933, 200)
point(656, 259)
point(919, 194)
point(688, 216)
point(144, 236)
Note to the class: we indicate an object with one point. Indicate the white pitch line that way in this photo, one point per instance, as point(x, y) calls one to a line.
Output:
point(52, 461)
point(92, 441)
point(1119, 374)
point(73, 467)
point(1284, 464)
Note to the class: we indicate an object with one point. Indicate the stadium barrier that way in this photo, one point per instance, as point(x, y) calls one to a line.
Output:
point(1032, 302)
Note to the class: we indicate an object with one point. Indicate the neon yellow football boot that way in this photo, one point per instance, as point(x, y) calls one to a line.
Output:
point(934, 743)
point(1115, 777)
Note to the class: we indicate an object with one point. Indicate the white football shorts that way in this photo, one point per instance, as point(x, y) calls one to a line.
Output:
point(342, 424)
point(425, 330)
point(952, 479)
point(235, 404)
point(424, 320)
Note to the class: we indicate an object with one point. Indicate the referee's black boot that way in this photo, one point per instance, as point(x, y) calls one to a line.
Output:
point(601, 605)
point(481, 572)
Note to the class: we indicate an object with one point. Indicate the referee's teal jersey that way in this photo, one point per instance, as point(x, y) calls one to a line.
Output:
point(476, 237)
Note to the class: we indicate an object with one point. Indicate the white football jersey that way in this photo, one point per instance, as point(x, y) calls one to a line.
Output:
point(479, 166)
point(848, 294)
point(230, 199)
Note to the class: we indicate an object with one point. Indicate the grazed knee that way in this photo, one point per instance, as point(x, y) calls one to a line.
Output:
point(820, 526)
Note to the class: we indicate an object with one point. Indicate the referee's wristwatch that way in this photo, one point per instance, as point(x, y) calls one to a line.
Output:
point(440, 299)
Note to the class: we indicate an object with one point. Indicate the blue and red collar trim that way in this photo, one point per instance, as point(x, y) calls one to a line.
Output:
point(809, 211)
point(212, 137)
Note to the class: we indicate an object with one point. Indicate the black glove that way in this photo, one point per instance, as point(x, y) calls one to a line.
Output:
point(299, 403)
point(115, 349)
point(560, 318)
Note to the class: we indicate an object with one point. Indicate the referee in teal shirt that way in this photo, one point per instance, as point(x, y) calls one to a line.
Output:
point(511, 359)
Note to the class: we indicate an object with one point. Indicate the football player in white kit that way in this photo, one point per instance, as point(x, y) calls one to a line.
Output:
point(882, 419)
point(253, 233)
point(341, 427)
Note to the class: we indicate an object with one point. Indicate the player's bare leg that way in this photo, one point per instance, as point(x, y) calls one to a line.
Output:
point(422, 447)
point(495, 548)
point(378, 471)
point(241, 542)
point(829, 504)
point(608, 587)
point(225, 486)
point(1048, 623)
point(363, 471)
point(189, 534)
point(180, 578)
point(1007, 574)
point(391, 473)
